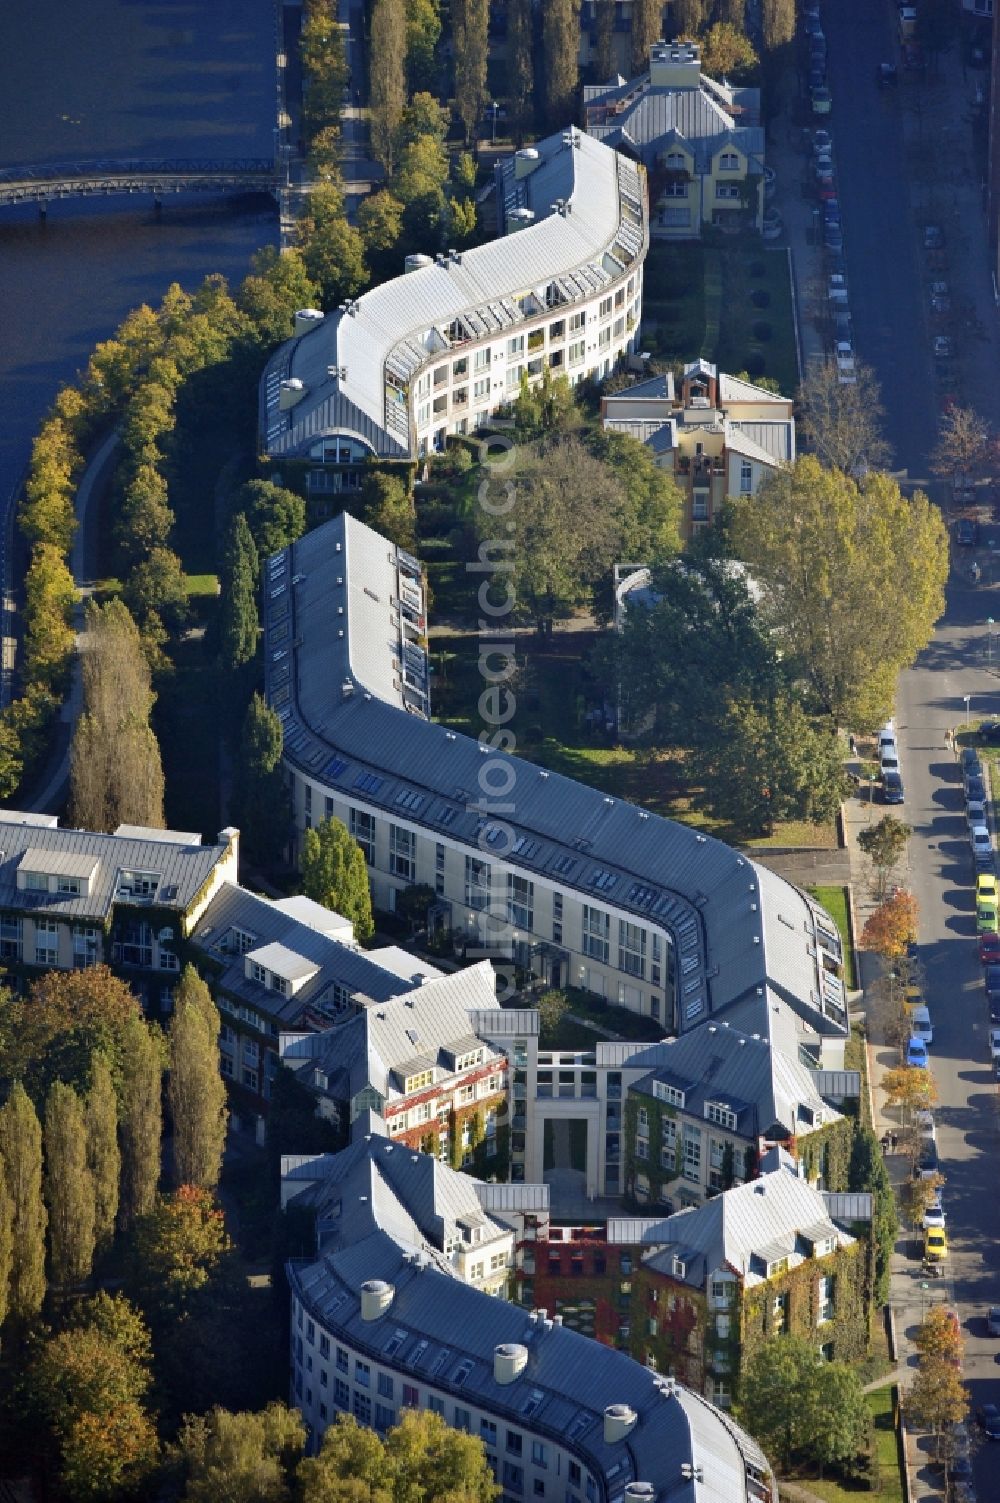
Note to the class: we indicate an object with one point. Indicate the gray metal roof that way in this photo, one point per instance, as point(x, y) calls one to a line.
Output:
point(567, 1383)
point(271, 924)
point(656, 118)
point(771, 443)
point(403, 323)
point(399, 1036)
point(720, 906)
point(182, 870)
point(765, 1219)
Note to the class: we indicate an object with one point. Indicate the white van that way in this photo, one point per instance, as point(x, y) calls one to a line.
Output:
point(921, 1026)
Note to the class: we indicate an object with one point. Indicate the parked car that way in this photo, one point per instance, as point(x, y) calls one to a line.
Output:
point(989, 731)
point(941, 304)
point(933, 237)
point(975, 789)
point(846, 374)
point(942, 347)
point(833, 237)
point(991, 981)
point(924, 1122)
point(975, 812)
point(988, 1420)
point(817, 75)
point(886, 74)
point(989, 949)
point(987, 886)
point(984, 861)
point(993, 1038)
point(933, 1216)
point(892, 788)
point(842, 324)
point(822, 140)
point(935, 1244)
point(888, 760)
point(927, 1158)
point(980, 837)
point(916, 1053)
point(993, 1321)
point(970, 763)
point(822, 101)
point(837, 289)
point(921, 1026)
point(772, 225)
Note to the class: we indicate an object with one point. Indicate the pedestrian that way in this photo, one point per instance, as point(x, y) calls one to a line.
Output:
point(948, 740)
point(853, 745)
point(892, 1142)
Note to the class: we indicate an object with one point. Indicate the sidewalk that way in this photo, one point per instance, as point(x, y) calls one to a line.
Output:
point(912, 1295)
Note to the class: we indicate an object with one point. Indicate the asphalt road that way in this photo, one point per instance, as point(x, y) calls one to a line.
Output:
point(883, 260)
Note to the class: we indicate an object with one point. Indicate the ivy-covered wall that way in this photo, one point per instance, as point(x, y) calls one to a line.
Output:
point(847, 1333)
point(659, 1178)
point(826, 1153)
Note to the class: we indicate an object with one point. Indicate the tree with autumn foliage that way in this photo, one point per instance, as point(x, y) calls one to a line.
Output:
point(67, 1017)
point(918, 1195)
point(884, 844)
point(892, 926)
point(937, 1398)
point(939, 1336)
point(910, 1087)
point(176, 1249)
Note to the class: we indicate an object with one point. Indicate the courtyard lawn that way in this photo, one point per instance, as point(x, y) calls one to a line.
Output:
point(889, 1485)
point(834, 900)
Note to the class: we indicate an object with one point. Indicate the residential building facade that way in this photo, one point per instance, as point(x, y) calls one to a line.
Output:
point(70, 899)
point(720, 436)
point(440, 350)
point(696, 1293)
point(701, 141)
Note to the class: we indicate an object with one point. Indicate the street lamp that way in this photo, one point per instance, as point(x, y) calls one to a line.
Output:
point(967, 698)
point(989, 639)
point(494, 107)
point(924, 1286)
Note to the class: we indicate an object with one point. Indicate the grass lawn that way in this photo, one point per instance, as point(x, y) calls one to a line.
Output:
point(890, 1482)
point(618, 1019)
point(730, 303)
point(201, 584)
point(834, 900)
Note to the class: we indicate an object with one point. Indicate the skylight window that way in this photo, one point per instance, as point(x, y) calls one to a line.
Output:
point(564, 866)
point(368, 782)
point(524, 846)
point(407, 799)
point(603, 880)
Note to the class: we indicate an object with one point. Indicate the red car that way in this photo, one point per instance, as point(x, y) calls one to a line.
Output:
point(989, 949)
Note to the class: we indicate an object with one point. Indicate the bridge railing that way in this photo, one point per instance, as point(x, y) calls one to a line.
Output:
point(106, 166)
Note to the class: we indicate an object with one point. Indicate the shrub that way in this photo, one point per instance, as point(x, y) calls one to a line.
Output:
point(760, 297)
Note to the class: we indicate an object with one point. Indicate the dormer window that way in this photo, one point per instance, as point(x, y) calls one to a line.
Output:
point(137, 884)
point(240, 941)
point(672, 1095)
point(721, 1115)
point(35, 882)
point(729, 161)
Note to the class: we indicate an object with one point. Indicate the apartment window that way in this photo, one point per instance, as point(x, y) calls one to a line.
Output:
point(514, 377)
point(825, 1301)
point(251, 1051)
point(135, 946)
point(721, 1291)
point(513, 1477)
point(692, 1155)
point(168, 960)
point(699, 506)
point(343, 1362)
point(362, 1408)
point(488, 1432)
point(70, 886)
point(36, 882)
point(385, 1418)
point(481, 389)
point(477, 883)
point(250, 1079)
point(515, 1442)
point(411, 1396)
point(460, 368)
point(604, 339)
point(727, 190)
point(363, 830)
point(226, 1066)
point(435, 1404)
point(327, 807)
point(668, 1145)
point(481, 360)
point(657, 956)
point(10, 938)
point(402, 844)
point(539, 1454)
point(520, 901)
point(84, 947)
point(631, 949)
point(341, 1394)
point(463, 1420)
point(720, 1114)
point(558, 330)
point(746, 477)
point(574, 1473)
point(362, 1374)
point(46, 941)
point(515, 346)
point(596, 933)
point(576, 352)
point(605, 308)
point(779, 1312)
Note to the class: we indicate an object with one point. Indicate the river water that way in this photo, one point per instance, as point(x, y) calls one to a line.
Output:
point(83, 80)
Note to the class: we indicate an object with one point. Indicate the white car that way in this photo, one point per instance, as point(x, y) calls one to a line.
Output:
point(994, 1043)
point(975, 812)
point(844, 356)
point(925, 1123)
point(921, 1026)
point(933, 1216)
point(981, 843)
point(888, 760)
point(942, 346)
point(837, 290)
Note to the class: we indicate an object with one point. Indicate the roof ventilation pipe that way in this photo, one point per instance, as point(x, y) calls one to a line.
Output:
point(290, 393)
point(525, 161)
point(307, 318)
point(417, 262)
point(509, 1361)
point(619, 1421)
point(376, 1297)
point(639, 1492)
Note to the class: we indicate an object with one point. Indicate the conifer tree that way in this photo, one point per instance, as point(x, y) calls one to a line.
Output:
point(196, 1089)
point(69, 1188)
point(260, 799)
point(6, 1245)
point(561, 48)
point(469, 29)
point(387, 76)
point(103, 1155)
point(521, 66)
point(141, 1122)
point(21, 1158)
point(334, 874)
point(647, 27)
point(605, 59)
point(240, 571)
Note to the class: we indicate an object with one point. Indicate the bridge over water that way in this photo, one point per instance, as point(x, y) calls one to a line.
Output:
point(59, 180)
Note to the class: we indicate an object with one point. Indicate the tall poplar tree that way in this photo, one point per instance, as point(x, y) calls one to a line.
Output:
point(778, 23)
point(647, 28)
point(103, 1155)
point(69, 1188)
point(605, 59)
point(469, 29)
point(141, 1121)
point(6, 1245)
point(561, 48)
point(521, 66)
point(196, 1089)
point(240, 622)
point(261, 805)
point(21, 1157)
point(387, 76)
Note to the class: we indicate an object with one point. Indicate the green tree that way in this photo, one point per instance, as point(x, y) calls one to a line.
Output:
point(428, 1459)
point(423, 32)
point(269, 296)
point(158, 584)
point(843, 422)
point(386, 75)
point(867, 1172)
point(768, 762)
point(49, 601)
point(380, 220)
point(108, 1455)
point(689, 16)
point(6, 1246)
point(334, 874)
point(103, 1155)
point(965, 443)
point(196, 1089)
point(838, 1414)
point(726, 51)
point(245, 1458)
point(884, 843)
point(423, 116)
point(419, 184)
point(552, 1009)
point(69, 1189)
point(332, 249)
point(240, 623)
point(937, 1398)
point(260, 797)
point(145, 518)
point(141, 1121)
point(350, 1467)
point(654, 502)
point(521, 66)
point(390, 508)
point(469, 27)
point(852, 576)
point(21, 1161)
point(800, 1407)
point(176, 1250)
point(647, 28)
point(561, 50)
point(46, 516)
point(119, 1323)
point(276, 516)
point(55, 1032)
point(11, 756)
